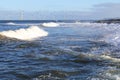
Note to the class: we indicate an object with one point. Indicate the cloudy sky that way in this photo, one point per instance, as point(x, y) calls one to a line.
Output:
point(59, 9)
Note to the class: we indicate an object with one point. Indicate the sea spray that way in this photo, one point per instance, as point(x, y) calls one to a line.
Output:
point(25, 34)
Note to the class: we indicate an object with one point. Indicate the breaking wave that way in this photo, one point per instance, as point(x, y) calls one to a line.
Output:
point(10, 23)
point(30, 33)
point(111, 32)
point(50, 24)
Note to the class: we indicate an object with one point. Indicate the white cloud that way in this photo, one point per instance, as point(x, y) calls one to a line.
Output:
point(106, 10)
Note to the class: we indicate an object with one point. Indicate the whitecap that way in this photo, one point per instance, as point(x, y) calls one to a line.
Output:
point(50, 24)
point(30, 33)
point(10, 23)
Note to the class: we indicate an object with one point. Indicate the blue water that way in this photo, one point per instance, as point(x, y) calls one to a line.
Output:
point(71, 51)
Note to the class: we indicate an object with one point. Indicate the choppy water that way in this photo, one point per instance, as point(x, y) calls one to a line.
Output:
point(70, 51)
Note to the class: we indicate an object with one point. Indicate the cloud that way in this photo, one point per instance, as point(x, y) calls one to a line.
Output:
point(106, 10)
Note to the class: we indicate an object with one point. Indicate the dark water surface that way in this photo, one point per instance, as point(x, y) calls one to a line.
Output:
point(71, 51)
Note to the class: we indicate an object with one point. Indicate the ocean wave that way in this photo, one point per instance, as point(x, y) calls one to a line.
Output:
point(95, 58)
point(87, 24)
point(112, 36)
point(50, 24)
point(110, 32)
point(112, 73)
point(30, 33)
point(10, 23)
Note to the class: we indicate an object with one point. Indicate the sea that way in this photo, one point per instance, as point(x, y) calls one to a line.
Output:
point(59, 50)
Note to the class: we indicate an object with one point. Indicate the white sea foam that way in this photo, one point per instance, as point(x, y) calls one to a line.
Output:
point(50, 24)
point(110, 58)
point(25, 34)
point(10, 23)
point(113, 76)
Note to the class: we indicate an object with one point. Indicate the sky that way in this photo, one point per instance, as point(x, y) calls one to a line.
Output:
point(59, 9)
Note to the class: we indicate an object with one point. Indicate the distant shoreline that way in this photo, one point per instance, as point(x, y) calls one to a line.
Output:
point(41, 21)
point(67, 21)
point(108, 21)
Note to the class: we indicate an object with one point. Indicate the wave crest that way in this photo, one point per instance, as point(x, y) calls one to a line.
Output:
point(10, 23)
point(25, 34)
point(50, 24)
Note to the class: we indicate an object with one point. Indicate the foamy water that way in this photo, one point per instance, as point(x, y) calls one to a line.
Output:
point(25, 34)
point(10, 23)
point(50, 24)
